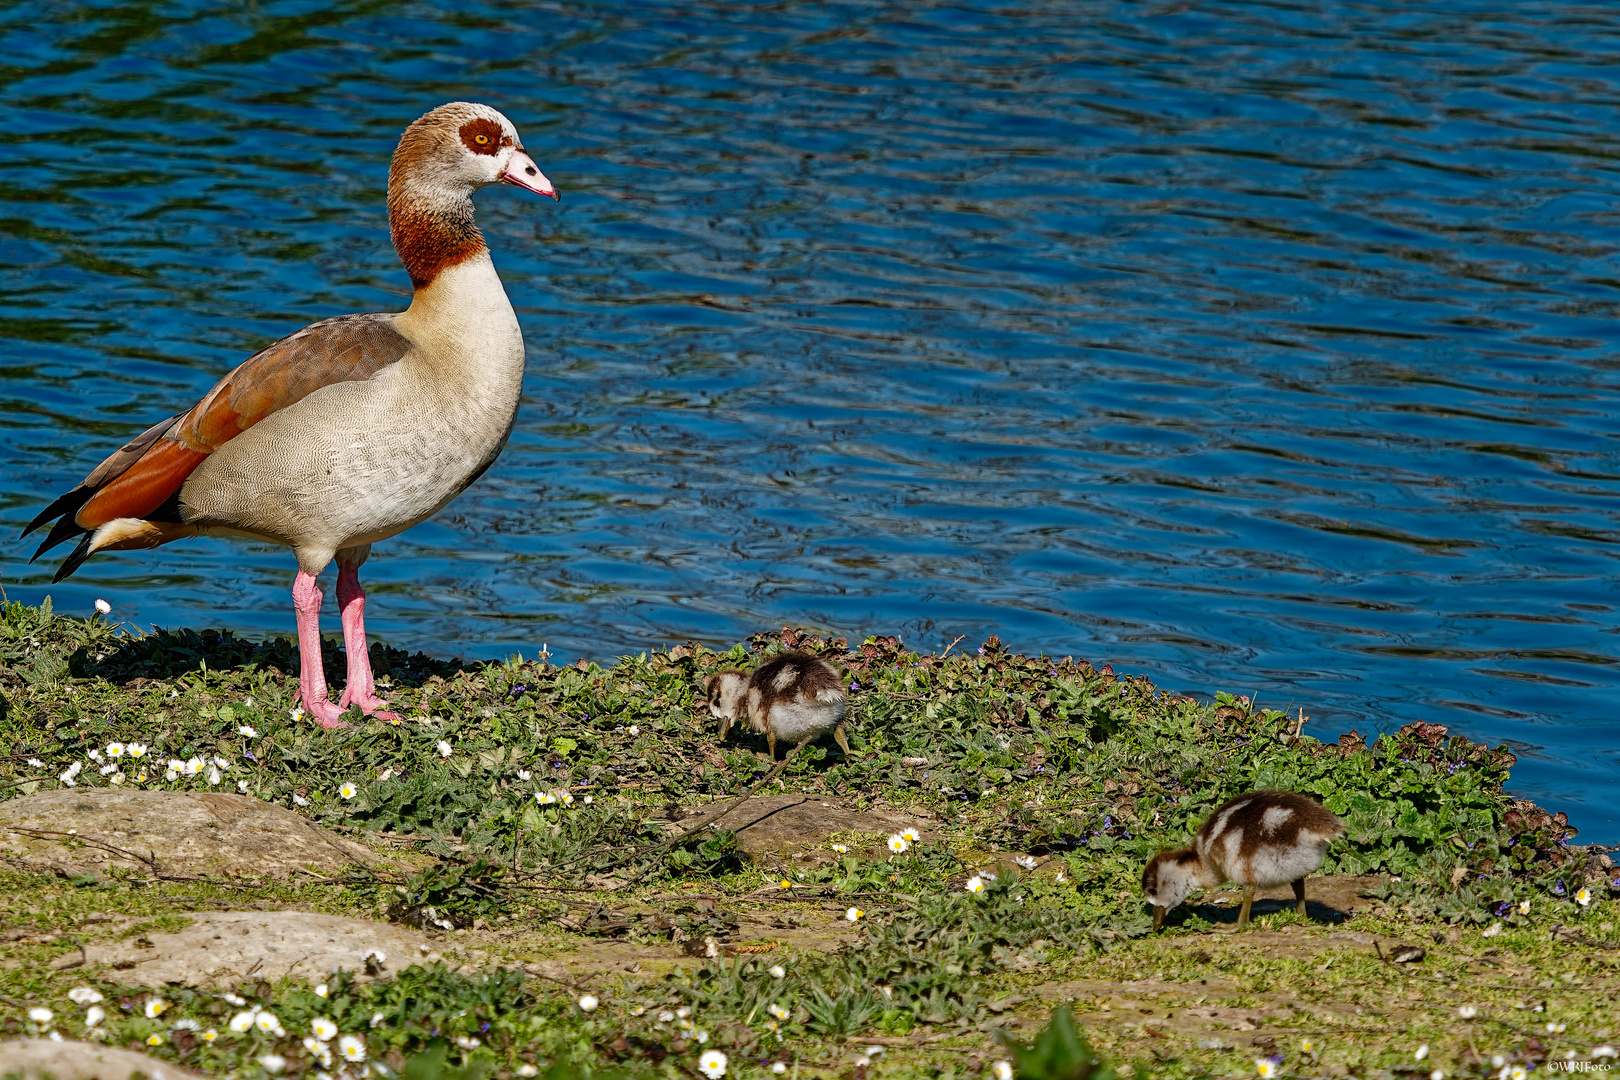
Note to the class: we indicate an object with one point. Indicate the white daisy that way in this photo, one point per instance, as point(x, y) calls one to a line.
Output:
point(348, 790)
point(444, 749)
point(588, 1003)
point(854, 914)
point(975, 884)
point(712, 1063)
point(353, 1048)
point(898, 843)
point(323, 1028)
point(84, 995)
point(778, 971)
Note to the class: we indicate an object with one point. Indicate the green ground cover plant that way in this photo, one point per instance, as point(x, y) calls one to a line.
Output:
point(536, 802)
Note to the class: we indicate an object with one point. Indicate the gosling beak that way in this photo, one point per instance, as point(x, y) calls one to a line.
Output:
point(522, 172)
point(1158, 917)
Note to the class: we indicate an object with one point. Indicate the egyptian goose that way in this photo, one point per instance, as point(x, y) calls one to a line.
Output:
point(353, 429)
point(795, 697)
point(1258, 840)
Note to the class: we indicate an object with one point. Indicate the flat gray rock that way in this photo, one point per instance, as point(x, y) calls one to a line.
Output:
point(81, 1061)
point(223, 948)
point(200, 834)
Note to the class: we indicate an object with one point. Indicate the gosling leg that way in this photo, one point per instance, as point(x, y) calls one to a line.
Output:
point(770, 741)
point(842, 740)
point(1299, 895)
point(1248, 901)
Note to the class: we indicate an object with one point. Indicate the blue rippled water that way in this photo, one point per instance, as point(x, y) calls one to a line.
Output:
point(1257, 346)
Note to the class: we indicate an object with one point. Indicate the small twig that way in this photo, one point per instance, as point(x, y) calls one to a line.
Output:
point(701, 825)
point(1562, 933)
point(951, 646)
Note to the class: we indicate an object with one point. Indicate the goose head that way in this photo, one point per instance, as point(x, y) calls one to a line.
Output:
point(1167, 879)
point(724, 691)
point(454, 150)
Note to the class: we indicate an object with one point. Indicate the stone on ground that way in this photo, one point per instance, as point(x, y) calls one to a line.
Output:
point(224, 948)
point(80, 1061)
point(190, 834)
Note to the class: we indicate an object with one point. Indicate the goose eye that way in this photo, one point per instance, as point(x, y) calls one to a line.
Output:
point(481, 140)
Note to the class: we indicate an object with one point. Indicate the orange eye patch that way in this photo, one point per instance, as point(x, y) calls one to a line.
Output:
point(482, 136)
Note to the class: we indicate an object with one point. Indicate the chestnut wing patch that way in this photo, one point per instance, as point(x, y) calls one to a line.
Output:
point(143, 479)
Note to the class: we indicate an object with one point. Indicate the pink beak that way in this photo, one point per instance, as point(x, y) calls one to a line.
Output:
point(522, 172)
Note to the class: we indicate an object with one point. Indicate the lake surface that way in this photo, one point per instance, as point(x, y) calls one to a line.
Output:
point(1266, 347)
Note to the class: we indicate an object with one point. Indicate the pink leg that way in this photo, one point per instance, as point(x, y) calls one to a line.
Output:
point(362, 689)
point(311, 674)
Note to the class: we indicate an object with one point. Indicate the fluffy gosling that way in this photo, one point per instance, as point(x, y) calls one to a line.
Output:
point(795, 697)
point(1258, 840)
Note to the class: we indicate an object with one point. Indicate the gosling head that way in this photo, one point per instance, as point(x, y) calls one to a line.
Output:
point(1167, 879)
point(724, 690)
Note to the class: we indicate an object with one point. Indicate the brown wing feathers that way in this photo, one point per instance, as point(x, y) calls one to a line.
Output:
point(143, 479)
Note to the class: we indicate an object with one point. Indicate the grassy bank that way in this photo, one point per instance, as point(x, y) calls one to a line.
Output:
point(1000, 759)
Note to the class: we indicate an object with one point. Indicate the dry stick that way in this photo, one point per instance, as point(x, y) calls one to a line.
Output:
point(149, 860)
point(706, 822)
point(1560, 932)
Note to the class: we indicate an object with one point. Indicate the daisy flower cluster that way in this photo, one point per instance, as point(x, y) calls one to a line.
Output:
point(351, 1048)
point(978, 882)
point(901, 841)
point(679, 1021)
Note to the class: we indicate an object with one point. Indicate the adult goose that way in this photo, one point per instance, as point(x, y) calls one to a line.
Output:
point(351, 430)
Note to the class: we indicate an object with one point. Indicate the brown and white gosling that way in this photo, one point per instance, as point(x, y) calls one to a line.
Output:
point(795, 697)
point(1258, 840)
